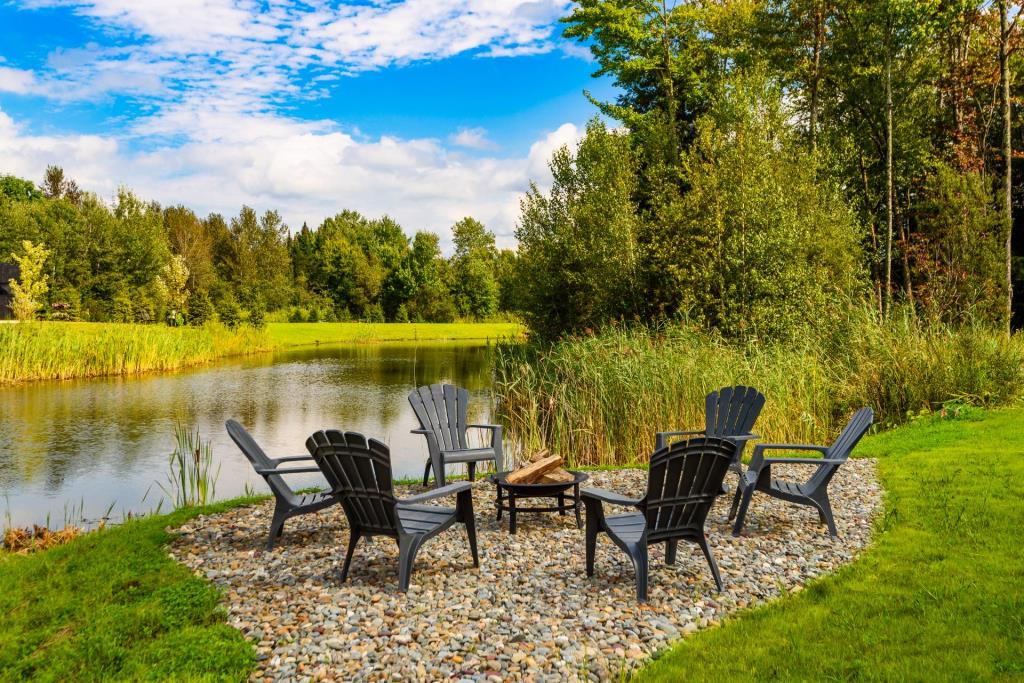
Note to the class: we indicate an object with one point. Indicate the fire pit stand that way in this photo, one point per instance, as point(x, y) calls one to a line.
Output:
point(508, 495)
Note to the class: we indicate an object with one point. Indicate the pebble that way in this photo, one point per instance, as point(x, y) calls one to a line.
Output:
point(529, 613)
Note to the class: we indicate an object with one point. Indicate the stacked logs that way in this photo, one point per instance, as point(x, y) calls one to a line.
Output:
point(541, 468)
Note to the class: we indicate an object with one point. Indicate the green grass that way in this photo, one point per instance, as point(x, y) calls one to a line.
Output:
point(298, 334)
point(59, 350)
point(937, 597)
point(112, 605)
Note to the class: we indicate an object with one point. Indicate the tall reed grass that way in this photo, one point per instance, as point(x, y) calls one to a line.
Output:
point(600, 400)
point(35, 351)
point(191, 476)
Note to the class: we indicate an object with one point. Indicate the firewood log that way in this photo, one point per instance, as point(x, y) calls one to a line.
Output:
point(532, 472)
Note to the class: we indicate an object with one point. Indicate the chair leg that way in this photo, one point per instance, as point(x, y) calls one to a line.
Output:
point(276, 526)
point(638, 554)
point(741, 515)
point(408, 546)
point(670, 551)
point(703, 543)
point(353, 539)
point(593, 526)
point(825, 514)
point(735, 502)
point(426, 474)
point(471, 470)
point(464, 506)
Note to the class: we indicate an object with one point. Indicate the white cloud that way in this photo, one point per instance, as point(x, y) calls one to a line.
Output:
point(306, 170)
point(17, 81)
point(472, 138)
point(213, 77)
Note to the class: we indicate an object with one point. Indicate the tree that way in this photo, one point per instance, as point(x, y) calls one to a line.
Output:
point(577, 243)
point(475, 287)
point(1006, 30)
point(172, 285)
point(29, 292)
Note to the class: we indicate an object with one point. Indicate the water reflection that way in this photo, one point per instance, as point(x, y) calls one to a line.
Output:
point(97, 442)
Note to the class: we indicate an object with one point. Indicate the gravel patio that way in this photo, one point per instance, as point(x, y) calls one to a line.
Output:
point(529, 613)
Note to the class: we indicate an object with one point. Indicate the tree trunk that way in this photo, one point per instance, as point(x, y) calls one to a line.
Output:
point(1004, 82)
point(888, 172)
point(816, 74)
point(905, 240)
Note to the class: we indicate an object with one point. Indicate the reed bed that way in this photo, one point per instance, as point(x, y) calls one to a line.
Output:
point(599, 400)
point(37, 351)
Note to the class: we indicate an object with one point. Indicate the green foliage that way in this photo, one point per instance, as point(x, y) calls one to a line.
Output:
point(191, 476)
point(200, 309)
point(31, 286)
point(932, 587)
point(112, 605)
point(18, 189)
point(228, 310)
point(577, 244)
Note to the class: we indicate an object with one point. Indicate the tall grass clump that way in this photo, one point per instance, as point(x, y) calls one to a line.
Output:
point(599, 400)
point(59, 350)
point(191, 476)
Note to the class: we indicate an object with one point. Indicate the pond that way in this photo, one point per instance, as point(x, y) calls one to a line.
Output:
point(69, 451)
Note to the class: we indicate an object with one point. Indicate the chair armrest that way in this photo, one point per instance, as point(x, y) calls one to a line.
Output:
point(762, 447)
point(693, 433)
point(801, 461)
point(292, 458)
point(742, 437)
point(483, 426)
point(421, 431)
point(287, 470)
point(444, 491)
point(610, 497)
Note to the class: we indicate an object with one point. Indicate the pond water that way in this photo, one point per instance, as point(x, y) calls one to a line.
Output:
point(71, 450)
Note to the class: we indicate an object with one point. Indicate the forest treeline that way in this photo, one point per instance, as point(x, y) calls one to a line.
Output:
point(135, 261)
point(772, 161)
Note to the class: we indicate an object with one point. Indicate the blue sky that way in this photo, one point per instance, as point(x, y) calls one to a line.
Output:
point(427, 110)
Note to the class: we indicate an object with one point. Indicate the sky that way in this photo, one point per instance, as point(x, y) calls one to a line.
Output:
point(424, 110)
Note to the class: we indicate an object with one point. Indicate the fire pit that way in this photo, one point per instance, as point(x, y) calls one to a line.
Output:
point(542, 477)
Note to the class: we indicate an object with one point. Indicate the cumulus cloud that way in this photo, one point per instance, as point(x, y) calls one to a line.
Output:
point(306, 170)
point(214, 78)
point(472, 138)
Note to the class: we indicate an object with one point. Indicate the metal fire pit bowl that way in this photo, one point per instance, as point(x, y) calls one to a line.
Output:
point(508, 495)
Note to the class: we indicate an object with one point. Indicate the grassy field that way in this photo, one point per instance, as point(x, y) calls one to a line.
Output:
point(298, 334)
point(112, 605)
point(937, 597)
point(57, 350)
point(601, 399)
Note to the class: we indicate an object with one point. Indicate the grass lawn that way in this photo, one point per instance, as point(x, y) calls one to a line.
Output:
point(112, 605)
point(940, 594)
point(297, 334)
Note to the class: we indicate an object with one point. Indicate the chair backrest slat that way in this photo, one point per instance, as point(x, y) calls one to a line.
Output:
point(359, 472)
point(683, 481)
point(442, 408)
point(843, 446)
point(732, 411)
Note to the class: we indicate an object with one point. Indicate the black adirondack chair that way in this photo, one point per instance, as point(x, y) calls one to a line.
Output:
point(729, 412)
point(813, 491)
point(683, 482)
point(287, 503)
point(359, 472)
point(441, 410)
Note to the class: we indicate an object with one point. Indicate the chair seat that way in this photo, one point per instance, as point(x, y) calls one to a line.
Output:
point(423, 519)
point(788, 487)
point(468, 455)
point(629, 527)
point(316, 499)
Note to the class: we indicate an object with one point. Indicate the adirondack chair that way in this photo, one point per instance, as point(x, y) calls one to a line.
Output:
point(359, 472)
point(441, 410)
point(729, 412)
point(287, 503)
point(813, 491)
point(682, 484)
